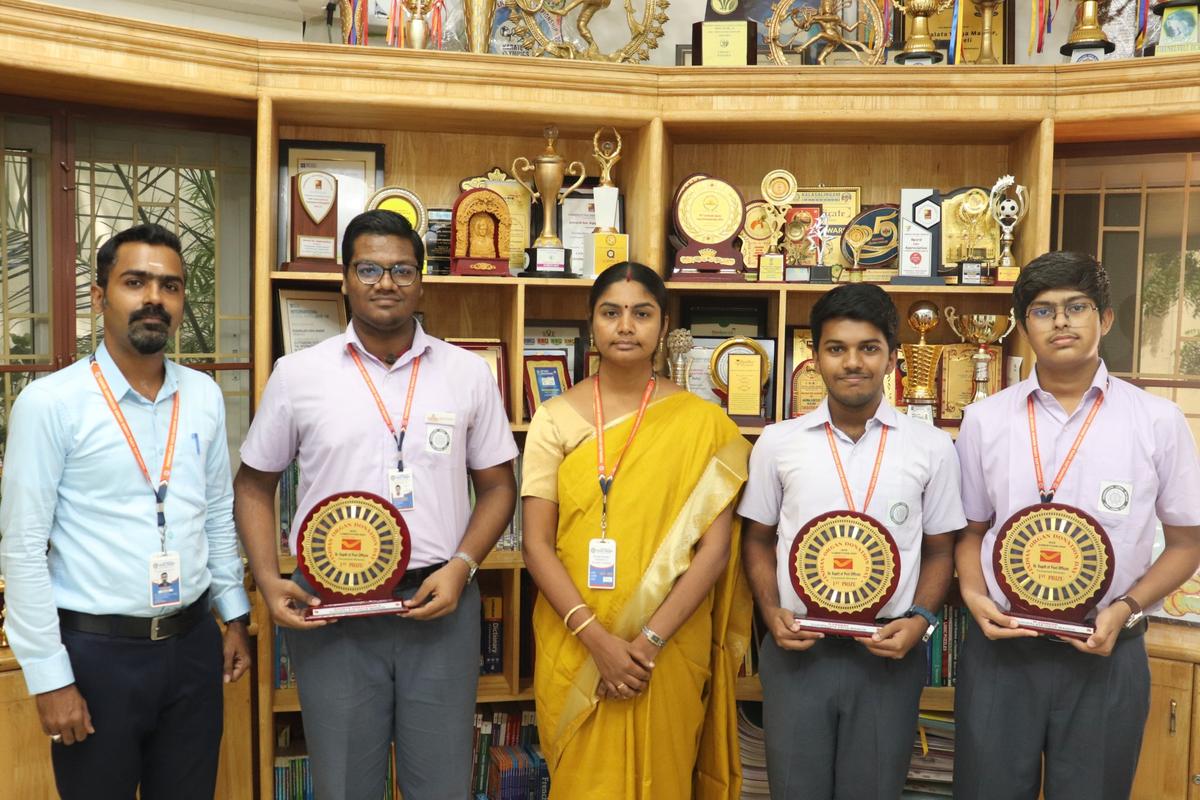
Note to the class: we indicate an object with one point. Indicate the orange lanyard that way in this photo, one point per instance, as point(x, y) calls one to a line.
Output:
point(606, 480)
point(1048, 496)
point(837, 460)
point(164, 479)
point(383, 412)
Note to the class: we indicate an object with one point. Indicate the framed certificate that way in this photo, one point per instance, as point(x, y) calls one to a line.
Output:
point(546, 377)
point(493, 352)
point(357, 167)
point(307, 317)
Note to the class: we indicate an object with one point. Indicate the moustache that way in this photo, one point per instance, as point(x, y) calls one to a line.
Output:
point(150, 312)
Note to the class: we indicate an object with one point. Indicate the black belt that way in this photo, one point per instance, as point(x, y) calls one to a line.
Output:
point(153, 628)
point(415, 577)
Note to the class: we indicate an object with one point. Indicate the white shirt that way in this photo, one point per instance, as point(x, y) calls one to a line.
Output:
point(793, 478)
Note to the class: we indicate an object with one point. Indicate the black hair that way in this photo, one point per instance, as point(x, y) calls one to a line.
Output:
point(864, 302)
point(629, 271)
point(149, 233)
point(1061, 269)
point(381, 223)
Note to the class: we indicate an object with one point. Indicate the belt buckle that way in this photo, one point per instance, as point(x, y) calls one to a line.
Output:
point(155, 634)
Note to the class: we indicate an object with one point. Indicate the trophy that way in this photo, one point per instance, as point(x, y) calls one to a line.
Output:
point(740, 370)
point(708, 214)
point(777, 189)
point(480, 16)
point(987, 10)
point(1087, 41)
point(480, 233)
point(415, 31)
point(922, 361)
point(353, 548)
point(872, 240)
point(679, 345)
point(605, 245)
point(919, 47)
point(845, 566)
point(726, 37)
point(539, 26)
point(548, 258)
point(1054, 563)
point(981, 330)
point(1008, 204)
point(920, 252)
point(314, 222)
point(970, 235)
point(788, 29)
point(854, 239)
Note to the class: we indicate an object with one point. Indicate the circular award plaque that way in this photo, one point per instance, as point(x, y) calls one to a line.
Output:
point(1053, 561)
point(884, 244)
point(353, 545)
point(845, 566)
point(718, 364)
point(710, 211)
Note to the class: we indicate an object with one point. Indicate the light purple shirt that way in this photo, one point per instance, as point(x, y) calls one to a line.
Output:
point(793, 479)
point(1137, 462)
point(317, 408)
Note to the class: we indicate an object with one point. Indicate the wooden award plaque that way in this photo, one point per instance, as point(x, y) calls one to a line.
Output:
point(480, 234)
point(709, 214)
point(314, 217)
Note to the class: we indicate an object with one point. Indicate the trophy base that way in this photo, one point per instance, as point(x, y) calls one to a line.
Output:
point(1007, 276)
point(1159, 8)
point(797, 274)
point(604, 250)
point(858, 630)
point(921, 411)
point(362, 608)
point(1101, 48)
point(821, 274)
point(486, 267)
point(976, 273)
point(311, 265)
point(1067, 630)
point(919, 59)
point(547, 262)
point(917, 280)
point(707, 275)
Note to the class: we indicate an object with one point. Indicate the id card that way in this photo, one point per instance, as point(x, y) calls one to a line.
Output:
point(602, 564)
point(165, 583)
point(439, 432)
point(400, 489)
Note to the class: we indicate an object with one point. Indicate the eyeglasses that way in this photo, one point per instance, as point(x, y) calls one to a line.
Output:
point(371, 273)
point(1045, 315)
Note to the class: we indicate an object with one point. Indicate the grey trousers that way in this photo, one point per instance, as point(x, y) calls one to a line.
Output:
point(1019, 701)
point(840, 722)
point(368, 681)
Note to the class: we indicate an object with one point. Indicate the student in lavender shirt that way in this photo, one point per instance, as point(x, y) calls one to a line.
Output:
point(408, 678)
point(1034, 713)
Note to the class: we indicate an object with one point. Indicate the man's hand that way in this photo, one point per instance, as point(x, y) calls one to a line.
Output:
point(895, 639)
point(439, 593)
point(994, 623)
point(785, 629)
point(286, 601)
point(64, 713)
point(236, 646)
point(1108, 624)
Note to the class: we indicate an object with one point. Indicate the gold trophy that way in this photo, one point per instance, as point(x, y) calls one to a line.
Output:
point(856, 238)
point(987, 10)
point(679, 346)
point(1008, 204)
point(416, 27)
point(548, 258)
point(605, 245)
point(480, 16)
point(981, 330)
point(777, 188)
point(922, 360)
point(975, 267)
point(1087, 36)
point(919, 47)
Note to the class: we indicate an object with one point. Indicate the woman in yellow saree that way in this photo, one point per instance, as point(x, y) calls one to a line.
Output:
point(635, 662)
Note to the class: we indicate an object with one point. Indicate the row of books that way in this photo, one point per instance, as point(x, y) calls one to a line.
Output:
point(516, 773)
point(753, 745)
point(293, 778)
point(931, 771)
point(497, 733)
point(944, 646)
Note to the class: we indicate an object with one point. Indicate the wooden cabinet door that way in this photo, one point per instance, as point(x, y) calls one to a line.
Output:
point(1163, 771)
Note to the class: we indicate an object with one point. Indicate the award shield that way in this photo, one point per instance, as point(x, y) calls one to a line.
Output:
point(353, 549)
point(845, 566)
point(1053, 562)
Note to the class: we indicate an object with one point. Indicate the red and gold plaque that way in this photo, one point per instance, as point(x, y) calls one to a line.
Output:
point(1054, 563)
point(314, 223)
point(709, 214)
point(845, 566)
point(353, 549)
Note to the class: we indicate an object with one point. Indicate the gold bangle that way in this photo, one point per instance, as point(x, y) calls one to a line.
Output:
point(584, 624)
point(567, 615)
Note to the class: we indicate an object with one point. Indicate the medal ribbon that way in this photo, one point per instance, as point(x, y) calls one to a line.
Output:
point(383, 412)
point(606, 480)
point(837, 460)
point(1048, 496)
point(164, 479)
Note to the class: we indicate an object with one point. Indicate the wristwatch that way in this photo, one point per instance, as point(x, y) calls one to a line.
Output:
point(472, 564)
point(928, 616)
point(1135, 607)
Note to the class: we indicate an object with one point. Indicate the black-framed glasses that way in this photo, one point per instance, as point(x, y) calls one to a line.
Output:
point(1045, 314)
point(371, 273)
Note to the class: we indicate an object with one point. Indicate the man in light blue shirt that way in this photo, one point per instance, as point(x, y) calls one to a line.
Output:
point(117, 540)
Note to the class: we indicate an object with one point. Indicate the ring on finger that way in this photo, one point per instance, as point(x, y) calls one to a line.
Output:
point(56, 738)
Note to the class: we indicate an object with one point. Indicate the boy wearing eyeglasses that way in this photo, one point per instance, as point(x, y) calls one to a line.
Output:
point(389, 410)
point(1071, 442)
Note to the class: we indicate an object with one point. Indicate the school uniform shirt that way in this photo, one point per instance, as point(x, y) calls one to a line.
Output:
point(318, 410)
point(793, 479)
point(1137, 463)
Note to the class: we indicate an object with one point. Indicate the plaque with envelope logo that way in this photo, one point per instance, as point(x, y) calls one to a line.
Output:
point(1054, 563)
point(353, 549)
point(845, 566)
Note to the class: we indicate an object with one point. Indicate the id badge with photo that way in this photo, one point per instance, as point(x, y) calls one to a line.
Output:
point(400, 489)
point(165, 583)
point(602, 564)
